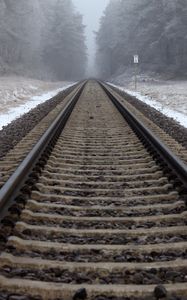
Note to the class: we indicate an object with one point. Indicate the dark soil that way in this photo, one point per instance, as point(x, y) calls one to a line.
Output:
point(112, 239)
point(169, 125)
point(11, 134)
point(108, 213)
point(169, 297)
point(107, 202)
point(97, 255)
point(104, 225)
point(7, 296)
point(152, 276)
point(15, 296)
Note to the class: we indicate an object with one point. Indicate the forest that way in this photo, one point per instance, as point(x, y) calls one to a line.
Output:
point(153, 29)
point(43, 39)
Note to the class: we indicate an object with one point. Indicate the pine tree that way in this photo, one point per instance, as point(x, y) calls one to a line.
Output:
point(42, 38)
point(154, 29)
point(66, 50)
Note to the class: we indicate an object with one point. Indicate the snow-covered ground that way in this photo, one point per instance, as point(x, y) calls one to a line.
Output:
point(19, 95)
point(168, 97)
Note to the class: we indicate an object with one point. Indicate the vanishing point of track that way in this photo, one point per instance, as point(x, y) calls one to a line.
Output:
point(100, 215)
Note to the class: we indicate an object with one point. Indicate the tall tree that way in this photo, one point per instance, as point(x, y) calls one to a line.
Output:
point(20, 31)
point(155, 29)
point(66, 50)
point(42, 38)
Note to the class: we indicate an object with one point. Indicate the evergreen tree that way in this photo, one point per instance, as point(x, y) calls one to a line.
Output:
point(66, 51)
point(154, 29)
point(42, 38)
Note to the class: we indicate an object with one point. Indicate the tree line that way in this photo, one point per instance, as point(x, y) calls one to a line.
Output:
point(42, 39)
point(154, 29)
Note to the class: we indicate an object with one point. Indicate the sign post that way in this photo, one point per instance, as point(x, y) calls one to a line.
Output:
point(136, 62)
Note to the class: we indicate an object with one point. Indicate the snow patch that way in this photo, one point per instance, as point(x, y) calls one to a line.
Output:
point(162, 107)
point(16, 112)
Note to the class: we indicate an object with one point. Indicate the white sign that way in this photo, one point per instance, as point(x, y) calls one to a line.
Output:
point(136, 59)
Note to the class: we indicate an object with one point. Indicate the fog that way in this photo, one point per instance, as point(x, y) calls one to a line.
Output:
point(155, 30)
point(50, 39)
point(42, 39)
point(92, 11)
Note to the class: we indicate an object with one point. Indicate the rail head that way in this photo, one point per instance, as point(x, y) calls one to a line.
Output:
point(173, 162)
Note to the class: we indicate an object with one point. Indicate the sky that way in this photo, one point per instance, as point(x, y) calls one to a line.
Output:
point(92, 11)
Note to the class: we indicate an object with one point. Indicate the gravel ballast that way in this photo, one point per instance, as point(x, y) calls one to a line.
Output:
point(11, 134)
point(170, 126)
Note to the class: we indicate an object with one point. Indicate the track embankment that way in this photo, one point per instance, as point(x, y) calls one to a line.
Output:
point(101, 218)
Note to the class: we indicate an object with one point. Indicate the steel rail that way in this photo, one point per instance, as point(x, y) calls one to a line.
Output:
point(174, 163)
point(14, 184)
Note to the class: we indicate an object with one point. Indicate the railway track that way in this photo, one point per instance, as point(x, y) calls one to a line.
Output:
point(101, 213)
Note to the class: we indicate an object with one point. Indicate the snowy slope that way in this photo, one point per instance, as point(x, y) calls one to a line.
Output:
point(169, 98)
point(21, 95)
